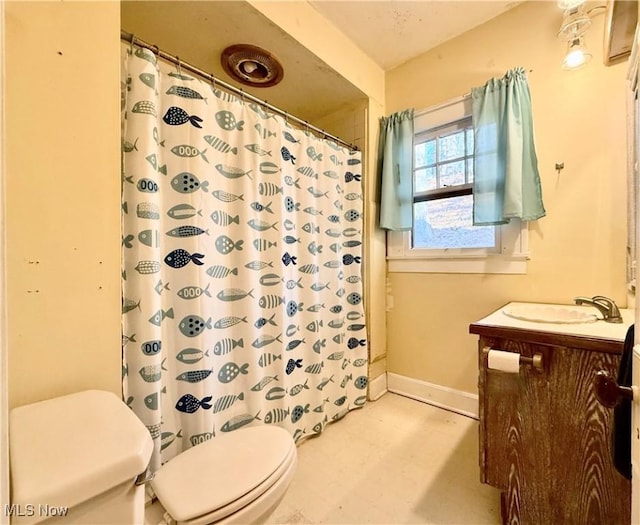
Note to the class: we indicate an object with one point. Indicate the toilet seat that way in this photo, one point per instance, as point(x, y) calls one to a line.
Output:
point(211, 481)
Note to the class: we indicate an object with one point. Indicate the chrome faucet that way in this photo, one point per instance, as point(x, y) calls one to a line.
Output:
point(607, 307)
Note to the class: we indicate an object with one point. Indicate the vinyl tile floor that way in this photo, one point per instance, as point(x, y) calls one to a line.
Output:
point(394, 461)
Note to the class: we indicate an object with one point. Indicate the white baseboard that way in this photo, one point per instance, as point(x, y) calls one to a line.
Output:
point(377, 387)
point(441, 396)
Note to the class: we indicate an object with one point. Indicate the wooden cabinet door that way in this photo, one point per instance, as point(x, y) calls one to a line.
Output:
point(514, 434)
point(584, 487)
point(545, 441)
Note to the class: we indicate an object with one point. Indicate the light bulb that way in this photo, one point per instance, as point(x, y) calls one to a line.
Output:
point(577, 55)
point(249, 67)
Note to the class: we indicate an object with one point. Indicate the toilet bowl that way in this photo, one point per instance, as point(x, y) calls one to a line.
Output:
point(76, 459)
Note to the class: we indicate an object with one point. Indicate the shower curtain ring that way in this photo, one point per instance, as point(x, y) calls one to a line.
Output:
point(133, 39)
point(178, 68)
point(242, 95)
point(156, 48)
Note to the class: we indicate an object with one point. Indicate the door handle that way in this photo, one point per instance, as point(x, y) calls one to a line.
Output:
point(608, 391)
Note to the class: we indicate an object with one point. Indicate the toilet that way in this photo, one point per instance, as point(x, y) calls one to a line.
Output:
point(82, 458)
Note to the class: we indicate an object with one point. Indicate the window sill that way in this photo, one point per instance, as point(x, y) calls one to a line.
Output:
point(516, 265)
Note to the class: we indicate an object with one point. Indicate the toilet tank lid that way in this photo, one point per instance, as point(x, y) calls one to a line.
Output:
point(66, 450)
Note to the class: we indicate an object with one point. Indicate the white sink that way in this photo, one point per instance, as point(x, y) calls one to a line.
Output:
point(558, 314)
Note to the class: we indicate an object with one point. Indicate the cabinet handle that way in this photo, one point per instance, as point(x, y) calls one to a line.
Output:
point(608, 391)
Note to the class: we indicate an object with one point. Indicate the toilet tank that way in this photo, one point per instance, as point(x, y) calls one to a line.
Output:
point(74, 458)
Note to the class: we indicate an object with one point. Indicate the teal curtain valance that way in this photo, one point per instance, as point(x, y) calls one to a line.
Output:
point(506, 179)
point(395, 169)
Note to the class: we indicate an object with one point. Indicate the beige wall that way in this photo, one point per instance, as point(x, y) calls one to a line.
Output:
point(62, 197)
point(4, 387)
point(579, 247)
point(348, 123)
point(307, 26)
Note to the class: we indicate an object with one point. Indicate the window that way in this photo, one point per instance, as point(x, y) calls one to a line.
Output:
point(444, 238)
point(442, 195)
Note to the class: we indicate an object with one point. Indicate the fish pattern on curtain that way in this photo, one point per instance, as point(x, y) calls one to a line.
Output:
point(242, 247)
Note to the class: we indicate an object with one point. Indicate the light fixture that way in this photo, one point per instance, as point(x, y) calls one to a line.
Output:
point(577, 54)
point(575, 23)
point(252, 65)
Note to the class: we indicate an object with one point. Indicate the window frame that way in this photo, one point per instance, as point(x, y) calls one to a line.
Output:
point(510, 253)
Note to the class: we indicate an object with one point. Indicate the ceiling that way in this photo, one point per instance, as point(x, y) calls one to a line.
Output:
point(393, 32)
point(390, 32)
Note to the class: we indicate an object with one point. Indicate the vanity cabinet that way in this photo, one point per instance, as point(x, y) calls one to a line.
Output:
point(545, 440)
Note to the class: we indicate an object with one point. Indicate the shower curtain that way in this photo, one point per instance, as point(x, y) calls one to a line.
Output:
point(241, 270)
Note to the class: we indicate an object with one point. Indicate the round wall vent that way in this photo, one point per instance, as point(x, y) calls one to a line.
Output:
point(252, 65)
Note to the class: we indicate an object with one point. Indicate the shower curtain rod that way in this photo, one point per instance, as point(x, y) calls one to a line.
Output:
point(134, 40)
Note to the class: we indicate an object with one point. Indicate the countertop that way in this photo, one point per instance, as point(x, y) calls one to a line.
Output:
point(597, 335)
